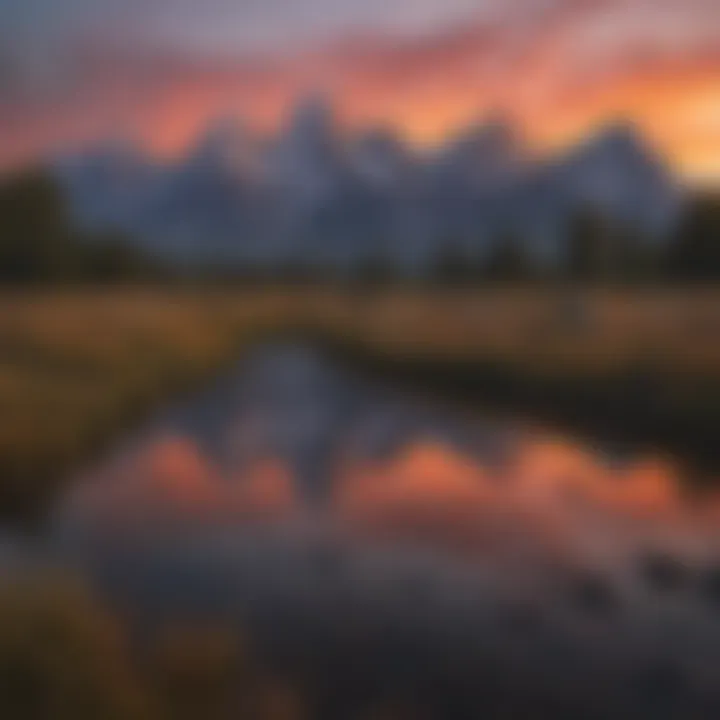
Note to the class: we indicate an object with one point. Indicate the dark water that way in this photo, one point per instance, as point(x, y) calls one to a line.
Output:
point(386, 545)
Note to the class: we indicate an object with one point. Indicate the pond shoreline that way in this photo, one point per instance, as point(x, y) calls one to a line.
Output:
point(80, 368)
point(633, 410)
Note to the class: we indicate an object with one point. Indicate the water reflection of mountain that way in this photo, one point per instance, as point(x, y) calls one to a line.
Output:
point(381, 545)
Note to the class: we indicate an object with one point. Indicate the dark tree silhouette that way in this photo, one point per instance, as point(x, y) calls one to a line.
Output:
point(375, 270)
point(453, 265)
point(589, 246)
point(39, 242)
point(34, 230)
point(694, 252)
point(508, 261)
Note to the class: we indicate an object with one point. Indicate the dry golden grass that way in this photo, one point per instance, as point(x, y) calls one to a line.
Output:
point(677, 331)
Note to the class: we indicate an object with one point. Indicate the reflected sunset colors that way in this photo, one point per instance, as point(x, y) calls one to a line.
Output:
point(477, 493)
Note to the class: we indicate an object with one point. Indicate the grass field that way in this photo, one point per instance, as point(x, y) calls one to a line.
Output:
point(77, 367)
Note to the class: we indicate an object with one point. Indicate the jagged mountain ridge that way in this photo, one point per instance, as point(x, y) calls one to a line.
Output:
point(314, 196)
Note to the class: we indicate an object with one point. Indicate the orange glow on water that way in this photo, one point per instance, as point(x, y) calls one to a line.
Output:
point(548, 499)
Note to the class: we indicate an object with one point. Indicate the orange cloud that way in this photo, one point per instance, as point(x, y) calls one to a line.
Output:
point(424, 87)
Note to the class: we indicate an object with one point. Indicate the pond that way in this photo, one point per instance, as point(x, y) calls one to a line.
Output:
point(375, 537)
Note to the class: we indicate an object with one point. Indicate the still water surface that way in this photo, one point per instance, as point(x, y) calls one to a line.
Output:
point(342, 518)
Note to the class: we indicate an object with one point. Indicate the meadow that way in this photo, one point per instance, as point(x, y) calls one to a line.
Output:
point(78, 367)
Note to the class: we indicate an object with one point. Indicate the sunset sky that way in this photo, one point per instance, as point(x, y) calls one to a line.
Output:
point(77, 72)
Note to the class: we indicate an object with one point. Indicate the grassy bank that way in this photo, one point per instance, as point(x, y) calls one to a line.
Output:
point(78, 367)
point(67, 654)
point(638, 371)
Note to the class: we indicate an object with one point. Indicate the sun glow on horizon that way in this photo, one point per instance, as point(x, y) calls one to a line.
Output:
point(424, 89)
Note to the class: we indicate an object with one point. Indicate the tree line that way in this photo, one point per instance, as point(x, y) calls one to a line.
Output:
point(40, 243)
point(597, 250)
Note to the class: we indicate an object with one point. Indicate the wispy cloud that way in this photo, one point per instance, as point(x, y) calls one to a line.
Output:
point(556, 66)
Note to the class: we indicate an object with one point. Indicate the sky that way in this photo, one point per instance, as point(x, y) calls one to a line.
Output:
point(74, 73)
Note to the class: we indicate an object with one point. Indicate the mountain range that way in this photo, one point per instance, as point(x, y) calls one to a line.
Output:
point(314, 196)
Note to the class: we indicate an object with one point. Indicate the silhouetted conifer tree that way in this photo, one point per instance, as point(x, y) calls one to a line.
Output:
point(694, 252)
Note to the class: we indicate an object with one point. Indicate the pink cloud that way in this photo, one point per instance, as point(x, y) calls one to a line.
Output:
point(567, 70)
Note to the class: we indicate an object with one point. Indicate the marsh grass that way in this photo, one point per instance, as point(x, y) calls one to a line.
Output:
point(75, 368)
point(67, 654)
